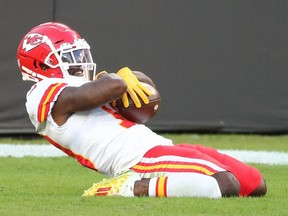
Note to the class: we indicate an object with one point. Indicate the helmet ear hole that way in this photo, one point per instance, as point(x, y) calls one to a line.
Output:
point(40, 65)
point(43, 66)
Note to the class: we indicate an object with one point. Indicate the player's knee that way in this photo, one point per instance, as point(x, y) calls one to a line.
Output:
point(228, 184)
point(261, 190)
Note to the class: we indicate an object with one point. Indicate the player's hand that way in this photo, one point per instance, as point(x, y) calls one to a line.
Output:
point(134, 88)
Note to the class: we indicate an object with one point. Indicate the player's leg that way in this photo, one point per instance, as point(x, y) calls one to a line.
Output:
point(175, 171)
point(181, 185)
point(188, 186)
point(251, 180)
point(171, 171)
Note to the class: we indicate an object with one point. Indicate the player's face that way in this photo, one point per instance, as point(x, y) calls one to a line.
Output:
point(78, 61)
point(76, 71)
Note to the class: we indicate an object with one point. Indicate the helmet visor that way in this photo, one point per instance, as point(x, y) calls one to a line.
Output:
point(79, 62)
point(77, 56)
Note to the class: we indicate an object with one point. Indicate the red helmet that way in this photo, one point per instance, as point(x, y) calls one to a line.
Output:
point(54, 50)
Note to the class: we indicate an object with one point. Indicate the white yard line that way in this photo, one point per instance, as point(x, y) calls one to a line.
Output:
point(248, 156)
point(262, 157)
point(34, 150)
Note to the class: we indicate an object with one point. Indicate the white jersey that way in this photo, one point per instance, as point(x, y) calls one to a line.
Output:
point(99, 138)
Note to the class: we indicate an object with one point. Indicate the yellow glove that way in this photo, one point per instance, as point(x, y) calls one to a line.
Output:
point(134, 88)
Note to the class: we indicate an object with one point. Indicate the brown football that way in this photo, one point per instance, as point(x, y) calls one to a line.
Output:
point(143, 114)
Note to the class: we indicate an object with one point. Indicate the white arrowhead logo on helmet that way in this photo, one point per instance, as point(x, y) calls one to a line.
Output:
point(33, 40)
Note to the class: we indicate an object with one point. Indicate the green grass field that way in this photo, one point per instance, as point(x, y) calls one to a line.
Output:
point(53, 186)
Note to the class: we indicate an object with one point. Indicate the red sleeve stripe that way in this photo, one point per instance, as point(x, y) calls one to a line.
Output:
point(49, 95)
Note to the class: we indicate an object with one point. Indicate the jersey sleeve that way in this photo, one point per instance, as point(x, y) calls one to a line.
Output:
point(41, 98)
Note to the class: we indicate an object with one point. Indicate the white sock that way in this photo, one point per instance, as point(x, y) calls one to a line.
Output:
point(184, 185)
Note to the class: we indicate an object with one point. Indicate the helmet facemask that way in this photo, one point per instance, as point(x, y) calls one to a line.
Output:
point(75, 60)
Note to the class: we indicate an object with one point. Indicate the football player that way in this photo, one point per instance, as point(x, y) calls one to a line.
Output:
point(69, 105)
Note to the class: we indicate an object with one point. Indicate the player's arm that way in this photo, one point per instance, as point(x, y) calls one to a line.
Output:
point(107, 88)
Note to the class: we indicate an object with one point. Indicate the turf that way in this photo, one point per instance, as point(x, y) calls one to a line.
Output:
point(53, 186)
